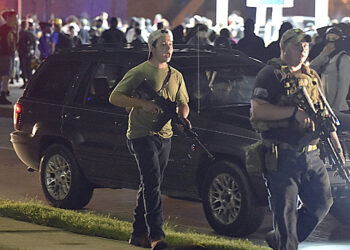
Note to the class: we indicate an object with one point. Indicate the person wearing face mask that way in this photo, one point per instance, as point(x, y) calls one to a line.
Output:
point(333, 65)
point(150, 146)
point(291, 172)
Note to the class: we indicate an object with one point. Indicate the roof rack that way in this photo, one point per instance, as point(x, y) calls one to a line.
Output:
point(207, 48)
point(99, 47)
point(110, 47)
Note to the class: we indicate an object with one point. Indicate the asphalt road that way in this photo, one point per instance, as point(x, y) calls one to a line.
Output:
point(18, 184)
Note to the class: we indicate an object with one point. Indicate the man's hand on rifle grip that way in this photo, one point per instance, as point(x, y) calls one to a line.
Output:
point(186, 124)
point(304, 119)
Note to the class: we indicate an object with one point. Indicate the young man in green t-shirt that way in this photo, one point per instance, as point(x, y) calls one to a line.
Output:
point(151, 148)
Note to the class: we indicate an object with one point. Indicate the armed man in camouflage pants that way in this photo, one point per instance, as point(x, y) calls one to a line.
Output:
point(291, 172)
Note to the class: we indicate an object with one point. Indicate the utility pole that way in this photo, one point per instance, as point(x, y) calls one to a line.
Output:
point(19, 7)
point(221, 13)
point(321, 13)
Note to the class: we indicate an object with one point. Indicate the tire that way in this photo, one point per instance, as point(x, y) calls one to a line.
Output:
point(63, 184)
point(228, 202)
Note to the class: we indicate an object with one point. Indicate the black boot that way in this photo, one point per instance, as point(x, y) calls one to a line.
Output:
point(3, 100)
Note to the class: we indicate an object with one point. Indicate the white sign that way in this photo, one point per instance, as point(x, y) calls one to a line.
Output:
point(270, 3)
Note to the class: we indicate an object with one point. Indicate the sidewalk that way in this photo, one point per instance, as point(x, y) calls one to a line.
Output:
point(22, 235)
point(15, 93)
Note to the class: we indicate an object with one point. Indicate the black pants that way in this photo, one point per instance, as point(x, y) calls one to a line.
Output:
point(151, 154)
point(303, 175)
point(25, 65)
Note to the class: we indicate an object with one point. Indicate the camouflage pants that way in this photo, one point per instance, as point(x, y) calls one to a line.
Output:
point(300, 175)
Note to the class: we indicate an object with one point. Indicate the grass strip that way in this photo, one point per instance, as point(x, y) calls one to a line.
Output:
point(88, 223)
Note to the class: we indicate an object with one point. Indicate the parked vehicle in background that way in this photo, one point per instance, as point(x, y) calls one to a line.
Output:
point(66, 129)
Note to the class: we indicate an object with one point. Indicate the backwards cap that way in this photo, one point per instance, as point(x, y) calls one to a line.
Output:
point(155, 35)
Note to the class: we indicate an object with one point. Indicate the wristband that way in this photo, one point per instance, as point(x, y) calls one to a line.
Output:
point(294, 113)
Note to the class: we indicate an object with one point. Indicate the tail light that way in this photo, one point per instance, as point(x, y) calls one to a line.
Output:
point(17, 112)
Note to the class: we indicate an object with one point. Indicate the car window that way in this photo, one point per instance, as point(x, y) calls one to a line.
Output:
point(102, 83)
point(230, 85)
point(52, 82)
point(212, 87)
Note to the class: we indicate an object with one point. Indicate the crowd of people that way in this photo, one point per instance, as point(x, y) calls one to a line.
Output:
point(34, 40)
point(29, 41)
point(297, 172)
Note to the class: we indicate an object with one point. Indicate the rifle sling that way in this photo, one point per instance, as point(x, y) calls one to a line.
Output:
point(166, 80)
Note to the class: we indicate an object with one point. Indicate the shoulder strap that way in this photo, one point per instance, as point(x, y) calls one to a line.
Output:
point(166, 80)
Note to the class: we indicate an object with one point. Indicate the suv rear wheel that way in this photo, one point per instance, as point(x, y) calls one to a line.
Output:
point(63, 184)
point(228, 202)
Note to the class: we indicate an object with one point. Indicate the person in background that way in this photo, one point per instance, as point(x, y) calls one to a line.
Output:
point(138, 41)
point(104, 18)
point(251, 44)
point(72, 32)
point(273, 50)
point(56, 27)
point(130, 33)
point(224, 40)
point(59, 40)
point(8, 43)
point(333, 65)
point(151, 147)
point(84, 31)
point(26, 49)
point(94, 38)
point(44, 41)
point(200, 36)
point(113, 34)
point(178, 33)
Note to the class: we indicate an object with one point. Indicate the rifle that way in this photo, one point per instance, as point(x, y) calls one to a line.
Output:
point(324, 125)
point(145, 91)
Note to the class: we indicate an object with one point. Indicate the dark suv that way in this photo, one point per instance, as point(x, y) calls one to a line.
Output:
point(67, 130)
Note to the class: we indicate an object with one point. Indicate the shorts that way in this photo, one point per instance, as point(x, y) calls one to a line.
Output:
point(7, 65)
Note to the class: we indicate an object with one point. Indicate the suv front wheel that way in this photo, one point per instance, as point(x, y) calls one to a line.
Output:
point(228, 202)
point(63, 184)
